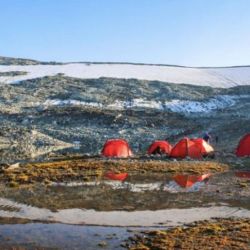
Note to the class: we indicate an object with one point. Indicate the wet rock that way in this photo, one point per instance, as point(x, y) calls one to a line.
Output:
point(128, 208)
point(13, 166)
point(243, 184)
point(102, 244)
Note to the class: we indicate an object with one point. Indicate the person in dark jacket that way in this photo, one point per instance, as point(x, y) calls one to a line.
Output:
point(207, 137)
point(158, 151)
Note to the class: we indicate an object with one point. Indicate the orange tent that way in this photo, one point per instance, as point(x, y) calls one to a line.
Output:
point(116, 148)
point(116, 177)
point(243, 148)
point(194, 148)
point(189, 180)
point(162, 146)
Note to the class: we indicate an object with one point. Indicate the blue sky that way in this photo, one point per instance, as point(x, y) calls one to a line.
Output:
point(184, 32)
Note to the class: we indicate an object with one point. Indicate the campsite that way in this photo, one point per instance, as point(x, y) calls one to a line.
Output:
point(86, 169)
point(125, 125)
point(181, 177)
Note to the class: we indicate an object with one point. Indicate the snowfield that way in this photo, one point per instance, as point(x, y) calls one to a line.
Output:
point(179, 106)
point(214, 77)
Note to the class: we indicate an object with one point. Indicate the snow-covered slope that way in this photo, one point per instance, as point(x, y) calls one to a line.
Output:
point(214, 77)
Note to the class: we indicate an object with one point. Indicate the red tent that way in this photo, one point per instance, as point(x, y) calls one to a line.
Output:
point(243, 148)
point(116, 148)
point(189, 180)
point(194, 148)
point(160, 147)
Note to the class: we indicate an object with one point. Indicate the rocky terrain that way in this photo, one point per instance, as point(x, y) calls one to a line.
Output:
point(54, 120)
point(20, 61)
point(58, 114)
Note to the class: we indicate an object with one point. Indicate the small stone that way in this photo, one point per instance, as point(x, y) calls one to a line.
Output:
point(102, 244)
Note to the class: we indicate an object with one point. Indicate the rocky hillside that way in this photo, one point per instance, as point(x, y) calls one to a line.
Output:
point(54, 115)
point(20, 61)
point(17, 61)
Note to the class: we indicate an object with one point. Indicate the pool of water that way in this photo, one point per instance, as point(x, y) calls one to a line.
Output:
point(61, 236)
point(101, 213)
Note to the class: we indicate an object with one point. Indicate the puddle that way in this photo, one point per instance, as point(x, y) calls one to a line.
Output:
point(138, 200)
point(96, 213)
point(61, 236)
point(167, 217)
point(167, 183)
point(171, 186)
point(136, 193)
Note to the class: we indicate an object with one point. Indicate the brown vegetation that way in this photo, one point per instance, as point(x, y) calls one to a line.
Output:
point(218, 234)
point(85, 169)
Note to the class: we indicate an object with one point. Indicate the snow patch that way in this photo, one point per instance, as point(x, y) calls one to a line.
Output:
point(58, 102)
point(136, 103)
point(178, 106)
point(219, 102)
point(214, 77)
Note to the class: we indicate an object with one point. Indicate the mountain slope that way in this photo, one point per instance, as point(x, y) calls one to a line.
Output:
point(83, 113)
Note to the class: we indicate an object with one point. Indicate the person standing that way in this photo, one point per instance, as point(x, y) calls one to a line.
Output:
point(207, 137)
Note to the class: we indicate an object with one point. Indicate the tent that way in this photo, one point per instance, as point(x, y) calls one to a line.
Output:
point(204, 147)
point(194, 148)
point(189, 180)
point(243, 148)
point(116, 148)
point(161, 147)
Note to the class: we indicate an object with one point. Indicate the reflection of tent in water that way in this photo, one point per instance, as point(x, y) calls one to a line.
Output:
point(243, 148)
point(116, 177)
point(189, 180)
point(194, 148)
point(160, 147)
point(243, 174)
point(116, 148)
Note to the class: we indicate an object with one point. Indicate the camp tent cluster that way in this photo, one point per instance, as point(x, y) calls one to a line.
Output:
point(186, 147)
point(194, 148)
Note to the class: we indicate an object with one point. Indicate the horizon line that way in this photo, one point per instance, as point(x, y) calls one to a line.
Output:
point(118, 62)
